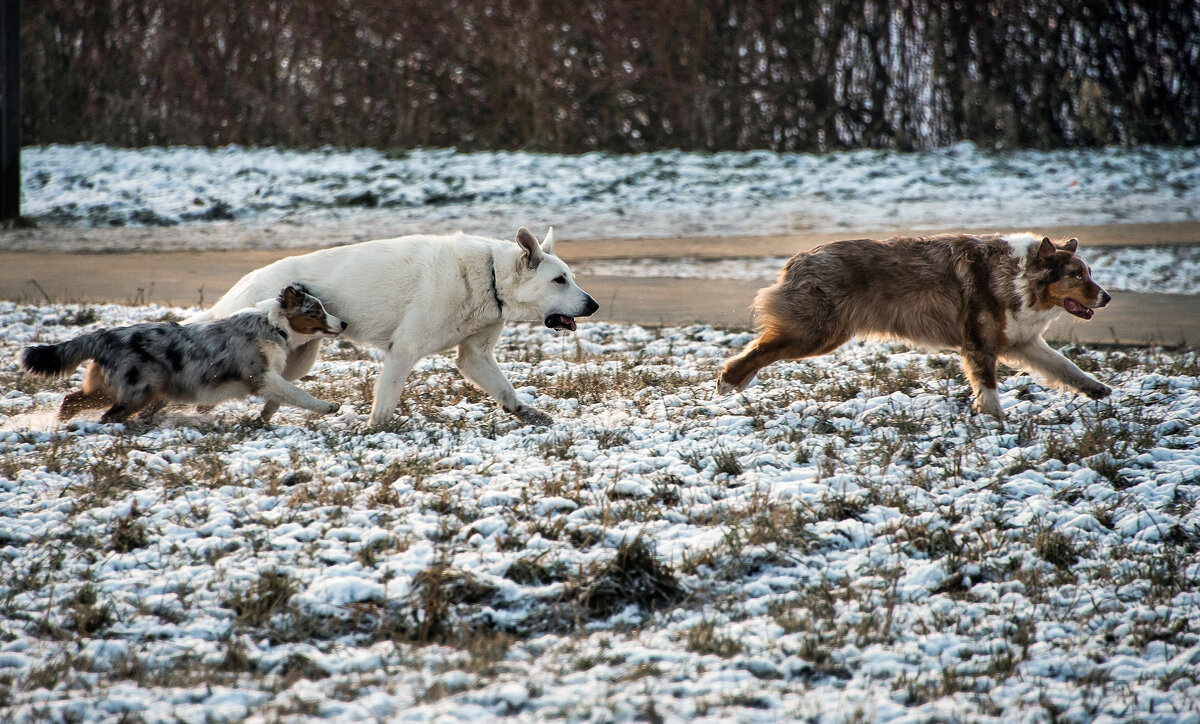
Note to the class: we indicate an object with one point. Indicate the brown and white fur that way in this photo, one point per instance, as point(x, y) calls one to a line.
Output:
point(991, 297)
point(144, 366)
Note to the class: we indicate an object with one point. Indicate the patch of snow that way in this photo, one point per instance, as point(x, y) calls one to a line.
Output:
point(598, 195)
point(849, 539)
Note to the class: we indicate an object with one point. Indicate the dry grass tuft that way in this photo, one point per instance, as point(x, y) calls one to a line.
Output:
point(263, 599)
point(634, 576)
point(128, 533)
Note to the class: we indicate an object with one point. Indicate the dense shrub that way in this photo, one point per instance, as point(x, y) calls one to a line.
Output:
point(612, 74)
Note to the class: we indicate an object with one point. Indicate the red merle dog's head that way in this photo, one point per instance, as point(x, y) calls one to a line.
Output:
point(1059, 278)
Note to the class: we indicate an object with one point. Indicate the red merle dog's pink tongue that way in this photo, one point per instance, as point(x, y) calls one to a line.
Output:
point(1078, 309)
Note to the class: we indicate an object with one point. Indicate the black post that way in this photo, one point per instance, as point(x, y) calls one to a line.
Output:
point(10, 143)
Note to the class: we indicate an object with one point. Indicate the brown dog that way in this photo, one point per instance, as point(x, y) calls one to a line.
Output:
point(991, 297)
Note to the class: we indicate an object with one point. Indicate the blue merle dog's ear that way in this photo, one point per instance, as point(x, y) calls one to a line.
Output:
point(1070, 245)
point(292, 296)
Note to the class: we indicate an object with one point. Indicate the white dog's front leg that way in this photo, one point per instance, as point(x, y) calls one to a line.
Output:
point(477, 362)
point(278, 390)
point(301, 359)
point(390, 385)
point(1039, 357)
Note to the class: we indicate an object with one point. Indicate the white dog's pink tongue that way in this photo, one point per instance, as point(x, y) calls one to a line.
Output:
point(560, 321)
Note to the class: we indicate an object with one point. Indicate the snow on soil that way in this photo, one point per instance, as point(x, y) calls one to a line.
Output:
point(597, 195)
point(844, 541)
point(1163, 269)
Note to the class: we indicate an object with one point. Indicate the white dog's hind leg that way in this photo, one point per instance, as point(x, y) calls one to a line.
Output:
point(477, 362)
point(278, 390)
point(299, 361)
point(1037, 356)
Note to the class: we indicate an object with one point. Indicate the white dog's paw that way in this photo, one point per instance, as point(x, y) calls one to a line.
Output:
point(530, 416)
point(376, 421)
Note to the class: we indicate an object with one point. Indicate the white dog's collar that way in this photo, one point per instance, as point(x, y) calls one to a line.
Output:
point(495, 291)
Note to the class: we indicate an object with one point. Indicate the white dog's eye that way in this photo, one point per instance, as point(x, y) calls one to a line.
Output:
point(560, 279)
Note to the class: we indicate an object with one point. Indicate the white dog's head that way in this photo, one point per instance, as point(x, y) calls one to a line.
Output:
point(542, 286)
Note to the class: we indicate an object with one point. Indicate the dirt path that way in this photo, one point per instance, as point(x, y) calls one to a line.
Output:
point(199, 277)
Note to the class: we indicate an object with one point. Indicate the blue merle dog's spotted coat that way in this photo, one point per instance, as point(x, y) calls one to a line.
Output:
point(155, 362)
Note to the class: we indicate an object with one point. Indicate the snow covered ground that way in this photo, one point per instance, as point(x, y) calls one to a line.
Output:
point(597, 195)
point(1164, 269)
point(844, 542)
point(611, 196)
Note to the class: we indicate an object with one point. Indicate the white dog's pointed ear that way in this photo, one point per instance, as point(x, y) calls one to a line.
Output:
point(529, 242)
point(548, 242)
point(1071, 245)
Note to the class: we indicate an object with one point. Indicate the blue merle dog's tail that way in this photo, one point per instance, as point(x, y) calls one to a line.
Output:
point(51, 360)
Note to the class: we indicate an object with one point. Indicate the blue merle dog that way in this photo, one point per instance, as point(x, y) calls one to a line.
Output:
point(144, 366)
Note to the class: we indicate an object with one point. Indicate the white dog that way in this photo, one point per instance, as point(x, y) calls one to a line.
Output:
point(416, 295)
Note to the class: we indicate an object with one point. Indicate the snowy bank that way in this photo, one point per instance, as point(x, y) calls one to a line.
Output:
point(596, 195)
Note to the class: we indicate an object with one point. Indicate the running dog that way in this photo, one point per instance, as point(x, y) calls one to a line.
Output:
point(143, 366)
point(992, 297)
point(416, 295)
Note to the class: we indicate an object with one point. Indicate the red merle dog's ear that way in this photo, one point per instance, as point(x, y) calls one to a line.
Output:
point(1070, 245)
point(1047, 249)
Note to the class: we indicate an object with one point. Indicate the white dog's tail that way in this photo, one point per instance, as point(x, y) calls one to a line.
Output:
point(248, 291)
point(205, 315)
point(251, 289)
